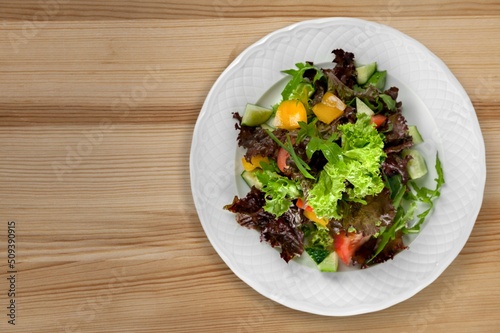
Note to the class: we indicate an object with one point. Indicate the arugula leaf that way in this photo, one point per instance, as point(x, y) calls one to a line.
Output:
point(391, 104)
point(330, 149)
point(399, 223)
point(279, 191)
point(302, 93)
point(303, 166)
point(296, 86)
point(403, 217)
point(427, 196)
point(396, 187)
point(307, 130)
point(270, 165)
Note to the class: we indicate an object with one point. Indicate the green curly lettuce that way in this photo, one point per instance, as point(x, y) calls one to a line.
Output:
point(279, 191)
point(352, 174)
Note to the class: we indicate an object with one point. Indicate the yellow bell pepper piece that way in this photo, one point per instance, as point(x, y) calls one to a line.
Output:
point(330, 108)
point(254, 162)
point(333, 101)
point(313, 217)
point(289, 114)
point(326, 113)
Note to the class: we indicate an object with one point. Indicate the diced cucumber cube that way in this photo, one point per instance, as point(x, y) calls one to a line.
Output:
point(416, 166)
point(415, 134)
point(378, 80)
point(330, 264)
point(266, 126)
point(251, 179)
point(364, 72)
point(361, 107)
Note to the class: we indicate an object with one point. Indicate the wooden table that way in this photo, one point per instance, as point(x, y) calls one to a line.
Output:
point(98, 101)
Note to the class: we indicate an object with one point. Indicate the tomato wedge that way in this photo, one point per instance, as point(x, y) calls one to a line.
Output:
point(346, 244)
point(283, 155)
point(378, 119)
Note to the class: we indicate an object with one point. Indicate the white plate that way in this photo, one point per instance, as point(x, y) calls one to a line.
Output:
point(432, 99)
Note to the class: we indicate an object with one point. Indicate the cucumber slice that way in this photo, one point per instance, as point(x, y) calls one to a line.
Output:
point(255, 115)
point(269, 124)
point(415, 134)
point(330, 264)
point(364, 72)
point(378, 80)
point(416, 166)
point(266, 126)
point(363, 108)
point(251, 179)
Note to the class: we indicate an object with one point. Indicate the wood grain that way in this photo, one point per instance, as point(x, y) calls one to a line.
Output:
point(97, 110)
point(65, 10)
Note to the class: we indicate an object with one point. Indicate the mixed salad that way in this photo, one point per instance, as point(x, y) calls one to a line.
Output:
point(332, 167)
